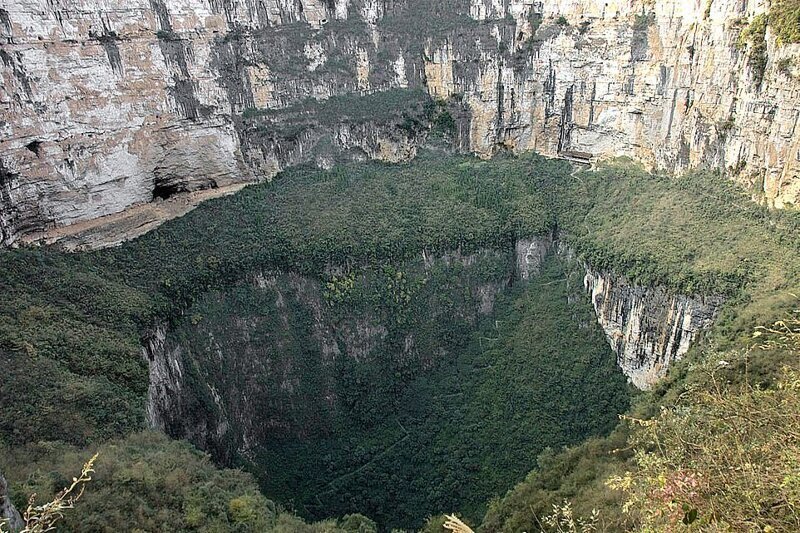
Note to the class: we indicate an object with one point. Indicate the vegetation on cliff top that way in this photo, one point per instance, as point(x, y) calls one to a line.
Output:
point(694, 234)
point(784, 17)
point(697, 233)
point(75, 320)
point(728, 404)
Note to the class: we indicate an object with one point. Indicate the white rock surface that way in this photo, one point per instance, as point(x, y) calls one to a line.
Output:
point(647, 327)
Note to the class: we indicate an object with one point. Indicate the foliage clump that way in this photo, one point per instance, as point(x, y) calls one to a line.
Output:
point(44, 517)
point(784, 18)
point(147, 482)
point(714, 448)
point(724, 457)
point(754, 37)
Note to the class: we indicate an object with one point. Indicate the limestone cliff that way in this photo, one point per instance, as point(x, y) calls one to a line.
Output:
point(648, 328)
point(671, 83)
point(107, 107)
point(8, 512)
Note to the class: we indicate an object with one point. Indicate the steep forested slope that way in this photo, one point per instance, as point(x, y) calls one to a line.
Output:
point(526, 363)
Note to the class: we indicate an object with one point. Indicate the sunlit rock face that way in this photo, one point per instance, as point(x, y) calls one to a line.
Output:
point(107, 106)
point(663, 82)
point(647, 327)
point(100, 112)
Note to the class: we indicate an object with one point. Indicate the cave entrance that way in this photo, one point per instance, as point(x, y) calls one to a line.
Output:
point(35, 147)
point(166, 187)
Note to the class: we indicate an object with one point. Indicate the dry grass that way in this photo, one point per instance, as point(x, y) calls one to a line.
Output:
point(41, 518)
point(725, 458)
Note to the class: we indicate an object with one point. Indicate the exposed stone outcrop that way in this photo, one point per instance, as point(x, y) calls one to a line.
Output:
point(648, 327)
point(166, 392)
point(668, 83)
point(7, 510)
point(530, 254)
point(104, 108)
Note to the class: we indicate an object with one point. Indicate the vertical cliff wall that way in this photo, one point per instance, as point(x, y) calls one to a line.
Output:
point(105, 107)
point(373, 375)
point(675, 84)
point(648, 328)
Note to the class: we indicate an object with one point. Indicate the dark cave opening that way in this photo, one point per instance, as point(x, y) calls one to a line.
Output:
point(167, 187)
point(35, 147)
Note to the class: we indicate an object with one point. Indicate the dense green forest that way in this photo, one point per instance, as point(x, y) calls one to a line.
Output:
point(75, 378)
point(677, 459)
point(413, 432)
point(78, 318)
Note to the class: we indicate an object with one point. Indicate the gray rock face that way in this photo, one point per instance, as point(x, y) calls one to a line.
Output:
point(166, 378)
point(530, 254)
point(106, 107)
point(7, 510)
point(647, 327)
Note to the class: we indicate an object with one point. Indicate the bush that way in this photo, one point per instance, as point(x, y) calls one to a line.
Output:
point(756, 36)
point(724, 458)
point(147, 482)
point(784, 18)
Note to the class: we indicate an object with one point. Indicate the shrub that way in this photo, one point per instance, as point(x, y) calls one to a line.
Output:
point(724, 457)
point(755, 34)
point(148, 482)
point(784, 18)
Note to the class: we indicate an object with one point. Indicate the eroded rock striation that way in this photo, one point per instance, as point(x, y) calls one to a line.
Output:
point(105, 107)
point(648, 327)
